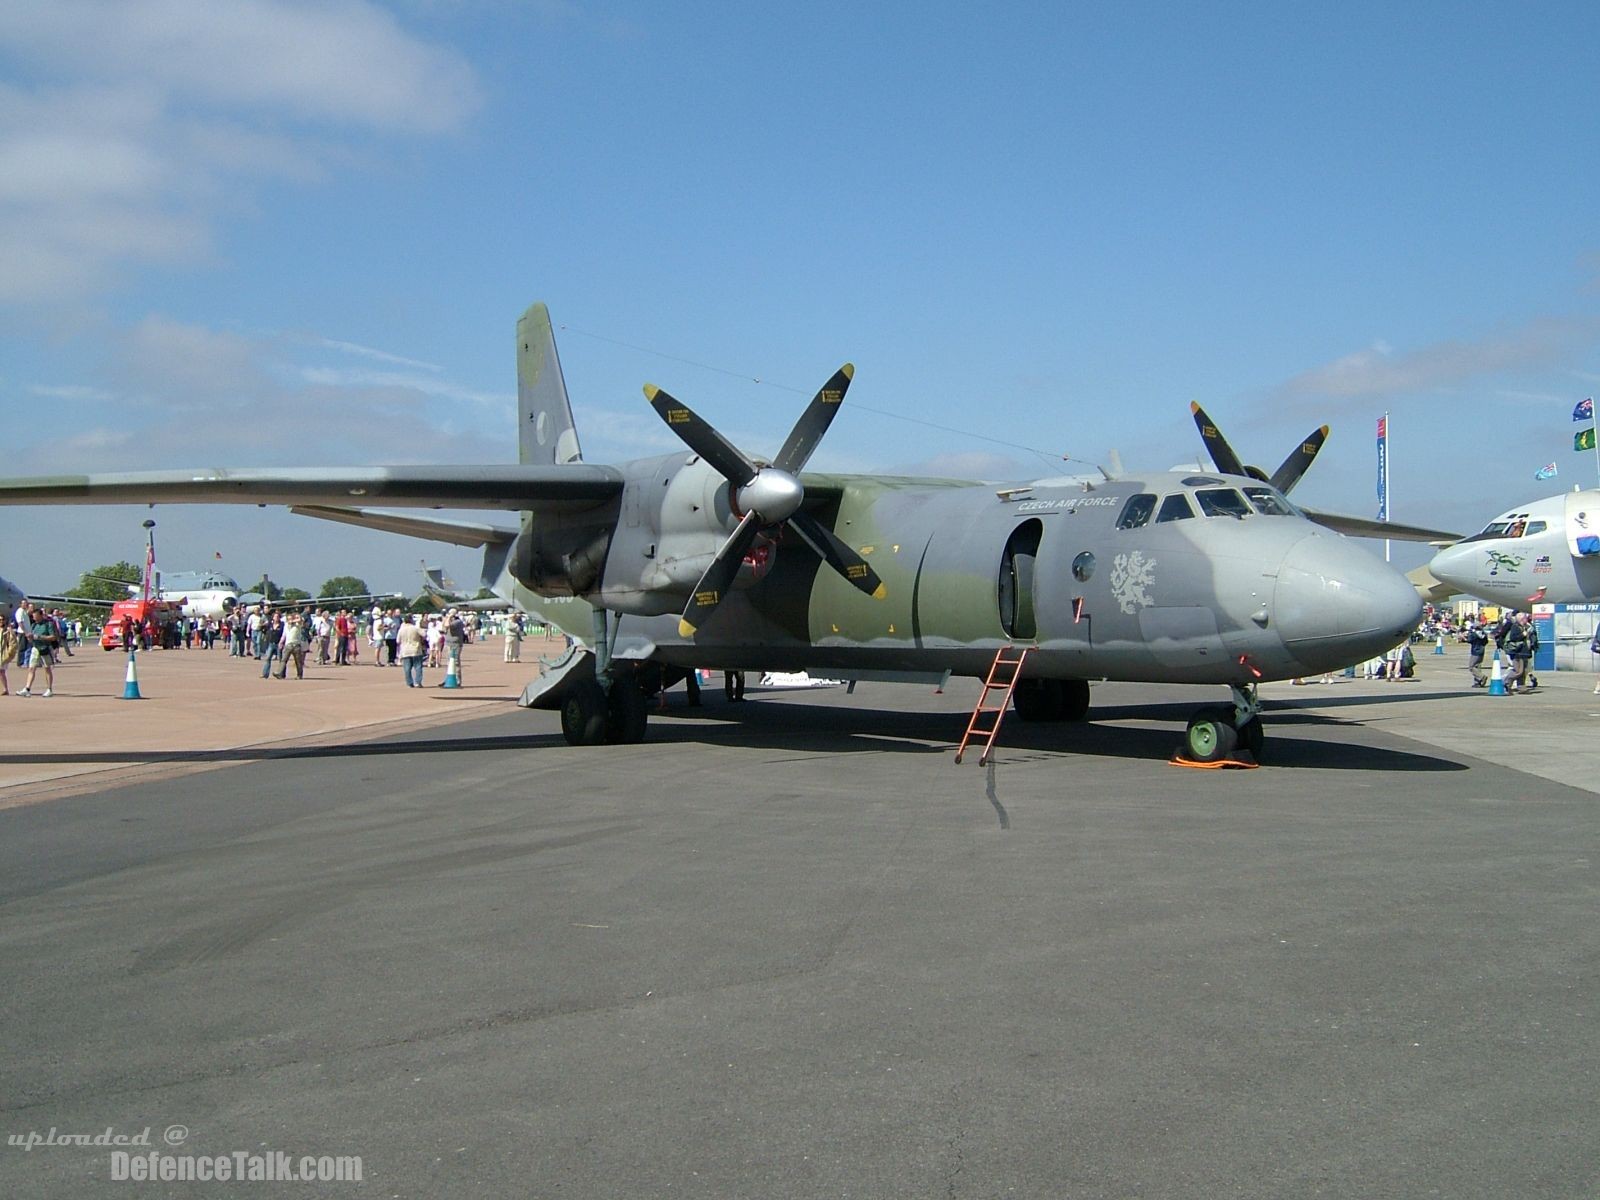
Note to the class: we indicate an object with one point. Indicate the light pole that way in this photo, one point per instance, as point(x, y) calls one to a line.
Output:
point(149, 557)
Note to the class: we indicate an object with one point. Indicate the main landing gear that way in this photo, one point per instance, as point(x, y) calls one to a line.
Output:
point(613, 707)
point(1217, 733)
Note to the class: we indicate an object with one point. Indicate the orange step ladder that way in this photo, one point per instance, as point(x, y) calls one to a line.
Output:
point(1003, 675)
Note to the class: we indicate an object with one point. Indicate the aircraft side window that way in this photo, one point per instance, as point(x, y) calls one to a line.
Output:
point(1222, 502)
point(1175, 507)
point(1516, 529)
point(1136, 511)
point(1535, 527)
point(1268, 503)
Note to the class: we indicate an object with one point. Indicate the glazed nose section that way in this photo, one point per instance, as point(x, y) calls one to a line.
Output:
point(1333, 593)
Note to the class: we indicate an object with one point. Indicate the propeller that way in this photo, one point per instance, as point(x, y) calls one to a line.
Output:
point(1288, 472)
point(765, 496)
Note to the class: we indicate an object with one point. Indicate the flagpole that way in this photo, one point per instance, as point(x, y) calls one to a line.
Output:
point(1595, 425)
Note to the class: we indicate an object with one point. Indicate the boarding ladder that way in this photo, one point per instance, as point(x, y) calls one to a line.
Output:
point(1003, 675)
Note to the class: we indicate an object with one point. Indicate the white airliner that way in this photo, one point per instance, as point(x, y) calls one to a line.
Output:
point(1546, 552)
point(203, 593)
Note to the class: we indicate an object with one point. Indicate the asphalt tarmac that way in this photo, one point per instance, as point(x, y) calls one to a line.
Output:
point(788, 949)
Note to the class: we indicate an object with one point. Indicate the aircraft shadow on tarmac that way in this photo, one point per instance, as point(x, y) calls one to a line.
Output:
point(806, 728)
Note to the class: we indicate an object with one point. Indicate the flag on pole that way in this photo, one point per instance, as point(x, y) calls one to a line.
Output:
point(1383, 467)
point(218, 554)
point(1583, 440)
point(1548, 471)
point(1584, 410)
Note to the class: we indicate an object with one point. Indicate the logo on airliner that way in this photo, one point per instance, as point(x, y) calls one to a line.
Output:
point(1511, 562)
point(1131, 575)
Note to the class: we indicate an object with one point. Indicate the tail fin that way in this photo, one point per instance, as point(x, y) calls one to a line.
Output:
point(546, 434)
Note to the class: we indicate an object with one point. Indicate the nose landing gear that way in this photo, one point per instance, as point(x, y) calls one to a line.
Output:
point(1221, 733)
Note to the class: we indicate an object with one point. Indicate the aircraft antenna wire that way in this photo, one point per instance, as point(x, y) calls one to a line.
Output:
point(1048, 455)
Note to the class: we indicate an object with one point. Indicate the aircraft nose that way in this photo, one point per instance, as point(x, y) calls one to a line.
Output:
point(1337, 604)
point(1453, 565)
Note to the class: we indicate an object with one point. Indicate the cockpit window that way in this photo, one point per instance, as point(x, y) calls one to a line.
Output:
point(1494, 529)
point(1268, 503)
point(1175, 507)
point(1535, 527)
point(1136, 511)
point(1222, 502)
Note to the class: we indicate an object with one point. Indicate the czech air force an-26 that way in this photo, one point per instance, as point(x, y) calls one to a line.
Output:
point(709, 558)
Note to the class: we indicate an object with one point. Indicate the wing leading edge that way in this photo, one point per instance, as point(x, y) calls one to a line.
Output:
point(510, 486)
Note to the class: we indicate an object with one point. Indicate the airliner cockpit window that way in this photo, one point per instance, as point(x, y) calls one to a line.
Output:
point(1494, 529)
point(1268, 503)
point(1222, 502)
point(1535, 527)
point(1175, 507)
point(1136, 511)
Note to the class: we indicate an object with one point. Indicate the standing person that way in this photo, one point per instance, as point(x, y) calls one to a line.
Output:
point(391, 635)
point(435, 641)
point(733, 685)
point(42, 637)
point(455, 636)
point(1477, 646)
point(11, 643)
point(294, 647)
point(271, 633)
point(1594, 648)
point(1519, 652)
point(413, 645)
point(514, 638)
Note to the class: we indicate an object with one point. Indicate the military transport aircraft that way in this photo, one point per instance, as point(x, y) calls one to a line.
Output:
point(709, 558)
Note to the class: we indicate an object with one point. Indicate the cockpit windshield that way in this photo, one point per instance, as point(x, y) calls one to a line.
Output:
point(1268, 503)
point(1494, 529)
point(1222, 502)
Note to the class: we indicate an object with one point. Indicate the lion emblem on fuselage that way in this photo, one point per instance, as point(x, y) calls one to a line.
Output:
point(1132, 575)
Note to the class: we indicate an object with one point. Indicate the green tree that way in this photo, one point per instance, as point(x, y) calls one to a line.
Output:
point(294, 594)
point(344, 585)
point(100, 584)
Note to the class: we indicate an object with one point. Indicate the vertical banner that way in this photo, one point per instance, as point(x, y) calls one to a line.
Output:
point(1383, 467)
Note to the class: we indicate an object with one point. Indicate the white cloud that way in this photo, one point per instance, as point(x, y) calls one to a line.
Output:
point(150, 117)
point(1381, 372)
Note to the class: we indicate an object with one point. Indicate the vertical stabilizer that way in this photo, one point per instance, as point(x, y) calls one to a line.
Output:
point(546, 434)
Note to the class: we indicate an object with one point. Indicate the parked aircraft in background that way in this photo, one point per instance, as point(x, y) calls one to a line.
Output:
point(711, 558)
point(1544, 552)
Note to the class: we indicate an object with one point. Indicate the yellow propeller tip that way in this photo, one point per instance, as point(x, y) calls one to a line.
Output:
point(651, 391)
point(685, 630)
point(848, 370)
point(881, 591)
point(1194, 406)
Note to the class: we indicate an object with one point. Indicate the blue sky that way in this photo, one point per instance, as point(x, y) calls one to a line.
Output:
point(281, 233)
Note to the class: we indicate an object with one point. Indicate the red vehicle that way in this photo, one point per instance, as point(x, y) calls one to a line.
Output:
point(159, 618)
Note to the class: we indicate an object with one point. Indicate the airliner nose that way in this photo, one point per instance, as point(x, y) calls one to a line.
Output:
point(1454, 565)
point(1336, 604)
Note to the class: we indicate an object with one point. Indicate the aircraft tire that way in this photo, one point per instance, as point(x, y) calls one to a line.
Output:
point(583, 715)
point(1038, 699)
point(1211, 736)
point(1074, 699)
point(1253, 737)
point(627, 713)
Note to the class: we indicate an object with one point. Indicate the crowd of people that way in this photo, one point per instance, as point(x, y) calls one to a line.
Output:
point(33, 637)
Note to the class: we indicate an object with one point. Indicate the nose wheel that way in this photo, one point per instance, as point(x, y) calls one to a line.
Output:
point(1217, 733)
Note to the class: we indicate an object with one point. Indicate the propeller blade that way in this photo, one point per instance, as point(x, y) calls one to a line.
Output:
point(1221, 453)
point(718, 577)
point(837, 555)
point(728, 460)
point(814, 422)
point(1287, 475)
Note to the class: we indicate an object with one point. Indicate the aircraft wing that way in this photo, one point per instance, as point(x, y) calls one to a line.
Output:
point(459, 533)
point(513, 486)
point(63, 601)
point(1361, 527)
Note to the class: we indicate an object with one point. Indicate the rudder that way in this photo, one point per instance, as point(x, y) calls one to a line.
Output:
point(546, 433)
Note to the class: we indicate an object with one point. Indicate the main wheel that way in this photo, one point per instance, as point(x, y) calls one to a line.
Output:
point(627, 713)
point(1211, 736)
point(583, 714)
point(1074, 699)
point(1037, 699)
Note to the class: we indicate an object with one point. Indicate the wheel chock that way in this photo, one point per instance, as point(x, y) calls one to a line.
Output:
point(1240, 761)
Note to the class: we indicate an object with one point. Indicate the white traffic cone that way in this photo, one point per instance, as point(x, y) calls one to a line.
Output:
point(130, 689)
point(1497, 681)
point(452, 670)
